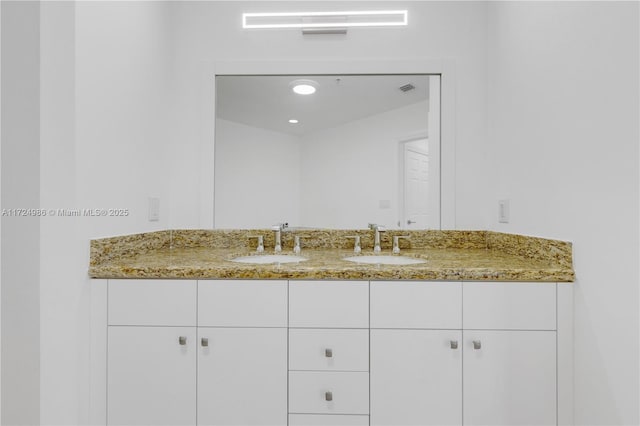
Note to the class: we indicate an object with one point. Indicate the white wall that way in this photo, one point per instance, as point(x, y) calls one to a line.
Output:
point(63, 290)
point(104, 143)
point(347, 170)
point(258, 177)
point(206, 32)
point(563, 147)
point(124, 64)
point(20, 190)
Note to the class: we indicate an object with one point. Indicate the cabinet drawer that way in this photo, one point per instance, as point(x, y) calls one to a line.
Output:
point(309, 391)
point(329, 304)
point(152, 302)
point(327, 420)
point(416, 304)
point(509, 306)
point(242, 303)
point(331, 350)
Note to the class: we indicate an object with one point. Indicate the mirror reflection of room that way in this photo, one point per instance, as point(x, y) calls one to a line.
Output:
point(327, 151)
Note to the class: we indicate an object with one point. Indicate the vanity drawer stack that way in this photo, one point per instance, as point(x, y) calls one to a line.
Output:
point(328, 353)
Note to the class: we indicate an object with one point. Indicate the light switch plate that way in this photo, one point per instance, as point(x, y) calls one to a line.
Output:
point(154, 209)
point(503, 211)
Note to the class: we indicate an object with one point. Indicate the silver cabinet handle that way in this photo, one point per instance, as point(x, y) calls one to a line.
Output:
point(454, 344)
point(477, 344)
point(182, 340)
point(328, 353)
point(409, 221)
point(204, 342)
point(328, 396)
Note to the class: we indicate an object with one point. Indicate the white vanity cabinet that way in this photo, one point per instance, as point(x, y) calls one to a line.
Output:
point(242, 352)
point(276, 352)
point(491, 345)
point(416, 353)
point(510, 332)
point(182, 352)
point(151, 371)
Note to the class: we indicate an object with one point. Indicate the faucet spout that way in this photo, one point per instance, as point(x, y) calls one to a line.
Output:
point(376, 238)
point(277, 229)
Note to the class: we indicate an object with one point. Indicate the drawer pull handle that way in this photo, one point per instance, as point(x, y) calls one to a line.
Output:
point(477, 344)
point(328, 396)
point(328, 353)
point(182, 340)
point(454, 344)
point(204, 342)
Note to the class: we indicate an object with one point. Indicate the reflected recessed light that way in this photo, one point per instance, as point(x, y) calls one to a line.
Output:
point(303, 87)
point(293, 121)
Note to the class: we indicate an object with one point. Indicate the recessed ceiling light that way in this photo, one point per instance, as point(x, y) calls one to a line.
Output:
point(293, 121)
point(303, 87)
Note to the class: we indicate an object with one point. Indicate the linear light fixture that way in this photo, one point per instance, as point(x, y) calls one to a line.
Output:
point(308, 20)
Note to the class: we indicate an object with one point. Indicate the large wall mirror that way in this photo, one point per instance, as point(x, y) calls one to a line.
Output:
point(359, 149)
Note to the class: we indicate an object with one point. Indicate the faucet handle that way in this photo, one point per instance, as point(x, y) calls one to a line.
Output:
point(260, 238)
point(296, 242)
point(356, 243)
point(396, 242)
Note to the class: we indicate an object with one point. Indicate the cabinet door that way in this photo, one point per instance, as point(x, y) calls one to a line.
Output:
point(510, 378)
point(151, 376)
point(152, 302)
point(242, 376)
point(242, 303)
point(509, 306)
point(416, 377)
point(416, 304)
point(329, 304)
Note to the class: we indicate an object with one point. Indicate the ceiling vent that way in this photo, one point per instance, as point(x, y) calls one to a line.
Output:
point(407, 87)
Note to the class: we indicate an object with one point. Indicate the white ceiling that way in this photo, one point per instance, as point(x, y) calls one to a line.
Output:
point(268, 102)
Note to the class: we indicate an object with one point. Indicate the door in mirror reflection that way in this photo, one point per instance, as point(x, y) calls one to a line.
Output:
point(360, 149)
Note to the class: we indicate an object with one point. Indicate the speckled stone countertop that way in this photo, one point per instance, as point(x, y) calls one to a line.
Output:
point(448, 255)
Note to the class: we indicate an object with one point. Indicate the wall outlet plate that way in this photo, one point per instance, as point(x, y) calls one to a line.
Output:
point(503, 211)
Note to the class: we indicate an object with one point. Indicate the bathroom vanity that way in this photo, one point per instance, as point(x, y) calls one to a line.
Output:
point(195, 338)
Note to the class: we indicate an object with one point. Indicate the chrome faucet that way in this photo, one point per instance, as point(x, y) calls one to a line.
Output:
point(376, 240)
point(278, 236)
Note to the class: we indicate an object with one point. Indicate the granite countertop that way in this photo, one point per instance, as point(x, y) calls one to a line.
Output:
point(476, 255)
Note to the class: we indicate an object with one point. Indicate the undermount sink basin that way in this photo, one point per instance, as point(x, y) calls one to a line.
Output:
point(384, 260)
point(263, 259)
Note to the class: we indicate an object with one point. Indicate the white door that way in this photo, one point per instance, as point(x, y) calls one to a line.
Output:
point(151, 376)
point(510, 378)
point(242, 376)
point(416, 188)
point(416, 377)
